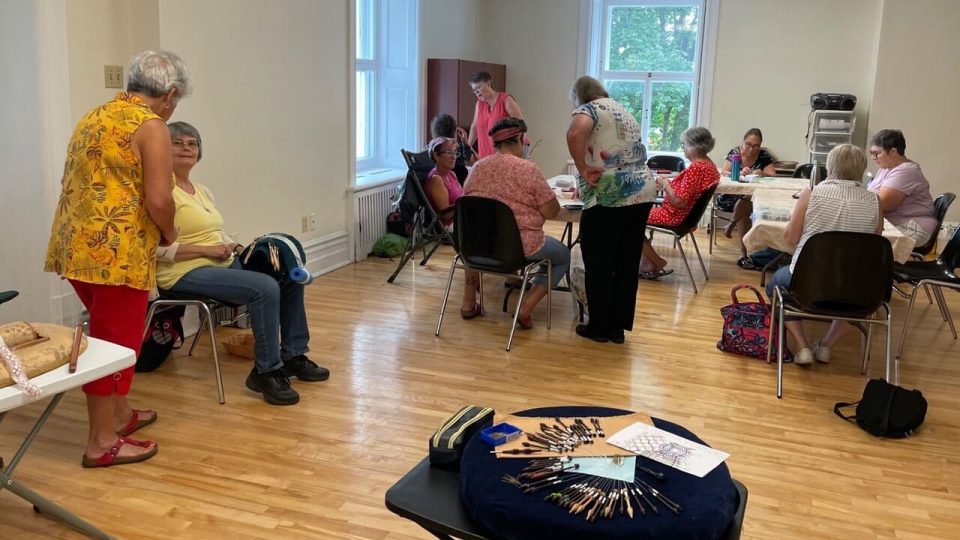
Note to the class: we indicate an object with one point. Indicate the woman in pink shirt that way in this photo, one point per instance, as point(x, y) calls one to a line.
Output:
point(441, 186)
point(491, 106)
point(507, 177)
point(903, 191)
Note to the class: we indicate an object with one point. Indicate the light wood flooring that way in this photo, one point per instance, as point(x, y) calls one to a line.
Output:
point(320, 469)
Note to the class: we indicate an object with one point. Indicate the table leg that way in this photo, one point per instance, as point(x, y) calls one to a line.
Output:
point(39, 502)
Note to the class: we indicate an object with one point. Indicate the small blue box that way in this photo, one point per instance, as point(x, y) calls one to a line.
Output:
point(500, 433)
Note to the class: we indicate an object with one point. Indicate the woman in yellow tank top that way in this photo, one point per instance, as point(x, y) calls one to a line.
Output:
point(115, 207)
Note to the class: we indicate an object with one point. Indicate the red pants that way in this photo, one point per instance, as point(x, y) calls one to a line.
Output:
point(116, 315)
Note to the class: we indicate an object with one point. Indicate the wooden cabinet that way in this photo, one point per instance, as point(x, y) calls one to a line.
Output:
point(448, 88)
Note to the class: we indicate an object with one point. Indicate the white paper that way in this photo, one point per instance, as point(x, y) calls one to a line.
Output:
point(669, 449)
point(615, 468)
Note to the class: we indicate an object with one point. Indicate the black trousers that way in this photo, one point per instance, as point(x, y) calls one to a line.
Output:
point(611, 241)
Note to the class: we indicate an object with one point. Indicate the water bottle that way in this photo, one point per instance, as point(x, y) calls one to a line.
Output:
point(735, 163)
point(301, 275)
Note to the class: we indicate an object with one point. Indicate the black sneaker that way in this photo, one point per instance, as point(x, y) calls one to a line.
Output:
point(584, 331)
point(616, 336)
point(304, 369)
point(274, 385)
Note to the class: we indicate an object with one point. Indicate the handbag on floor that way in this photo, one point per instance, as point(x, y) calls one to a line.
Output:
point(887, 410)
point(746, 327)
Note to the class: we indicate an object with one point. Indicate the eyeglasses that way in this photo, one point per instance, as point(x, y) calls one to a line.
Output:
point(186, 144)
point(754, 146)
point(447, 153)
point(875, 153)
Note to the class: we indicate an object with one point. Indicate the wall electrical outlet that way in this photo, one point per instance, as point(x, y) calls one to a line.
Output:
point(313, 221)
point(113, 76)
point(305, 224)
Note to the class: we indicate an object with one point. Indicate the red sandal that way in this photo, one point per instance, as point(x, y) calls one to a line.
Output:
point(110, 457)
point(135, 423)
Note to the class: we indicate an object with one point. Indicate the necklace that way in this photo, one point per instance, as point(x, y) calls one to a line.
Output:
point(195, 195)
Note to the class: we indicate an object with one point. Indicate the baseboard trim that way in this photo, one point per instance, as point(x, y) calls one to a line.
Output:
point(327, 253)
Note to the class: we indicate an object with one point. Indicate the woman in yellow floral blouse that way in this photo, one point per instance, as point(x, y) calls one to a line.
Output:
point(115, 207)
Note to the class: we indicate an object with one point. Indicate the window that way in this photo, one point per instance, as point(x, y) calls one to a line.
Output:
point(386, 82)
point(648, 54)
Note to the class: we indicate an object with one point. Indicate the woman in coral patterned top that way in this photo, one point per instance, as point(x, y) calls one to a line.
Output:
point(681, 195)
point(518, 183)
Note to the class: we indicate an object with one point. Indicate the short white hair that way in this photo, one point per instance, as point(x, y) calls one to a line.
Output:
point(155, 73)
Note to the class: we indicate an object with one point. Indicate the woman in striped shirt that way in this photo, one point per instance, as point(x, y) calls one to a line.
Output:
point(839, 203)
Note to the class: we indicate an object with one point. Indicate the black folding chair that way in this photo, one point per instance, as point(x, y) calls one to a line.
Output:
point(686, 229)
point(489, 243)
point(428, 231)
point(843, 276)
point(940, 206)
point(806, 171)
point(666, 163)
point(933, 275)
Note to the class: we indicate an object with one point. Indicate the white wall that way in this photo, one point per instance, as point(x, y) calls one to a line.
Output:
point(450, 29)
point(537, 40)
point(918, 83)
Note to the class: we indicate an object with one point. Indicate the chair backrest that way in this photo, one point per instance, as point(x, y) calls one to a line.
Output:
point(940, 207)
point(696, 213)
point(806, 171)
point(950, 256)
point(487, 235)
point(844, 272)
point(669, 163)
point(419, 165)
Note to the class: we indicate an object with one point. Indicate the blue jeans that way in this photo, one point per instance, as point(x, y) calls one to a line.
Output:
point(781, 278)
point(559, 256)
point(277, 314)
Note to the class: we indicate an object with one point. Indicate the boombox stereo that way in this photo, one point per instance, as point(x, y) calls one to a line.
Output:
point(833, 102)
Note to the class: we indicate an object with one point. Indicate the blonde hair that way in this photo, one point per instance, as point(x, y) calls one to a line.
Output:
point(846, 162)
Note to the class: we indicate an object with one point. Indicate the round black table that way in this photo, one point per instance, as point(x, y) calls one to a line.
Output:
point(502, 511)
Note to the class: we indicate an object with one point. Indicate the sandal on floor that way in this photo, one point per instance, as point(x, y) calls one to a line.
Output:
point(135, 423)
point(654, 275)
point(110, 458)
point(747, 263)
point(526, 324)
point(471, 313)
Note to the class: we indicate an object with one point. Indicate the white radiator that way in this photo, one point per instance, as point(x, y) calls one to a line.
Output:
point(370, 209)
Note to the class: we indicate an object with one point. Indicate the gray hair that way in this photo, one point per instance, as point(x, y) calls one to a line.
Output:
point(587, 89)
point(155, 73)
point(183, 129)
point(846, 162)
point(699, 138)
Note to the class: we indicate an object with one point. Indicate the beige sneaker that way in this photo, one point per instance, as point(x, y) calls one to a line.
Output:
point(821, 354)
point(804, 357)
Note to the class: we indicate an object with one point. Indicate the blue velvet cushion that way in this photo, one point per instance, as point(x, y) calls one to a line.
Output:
point(502, 511)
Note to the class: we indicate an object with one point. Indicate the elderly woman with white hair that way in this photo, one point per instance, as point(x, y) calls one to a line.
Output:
point(839, 203)
point(115, 208)
point(681, 194)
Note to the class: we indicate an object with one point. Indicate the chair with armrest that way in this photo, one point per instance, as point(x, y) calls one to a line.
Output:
point(853, 287)
point(206, 306)
point(489, 243)
point(686, 229)
point(428, 231)
point(934, 275)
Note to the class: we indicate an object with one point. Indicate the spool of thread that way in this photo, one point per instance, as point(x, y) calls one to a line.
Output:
point(301, 275)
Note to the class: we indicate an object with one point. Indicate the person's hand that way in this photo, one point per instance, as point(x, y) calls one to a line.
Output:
point(591, 175)
point(661, 182)
point(235, 248)
point(746, 170)
point(219, 251)
point(168, 238)
point(461, 134)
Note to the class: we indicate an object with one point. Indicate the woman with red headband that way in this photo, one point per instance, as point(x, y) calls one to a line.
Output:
point(518, 183)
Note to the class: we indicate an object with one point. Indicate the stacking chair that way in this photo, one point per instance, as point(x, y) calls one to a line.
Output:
point(839, 276)
point(806, 171)
point(666, 163)
point(940, 206)
point(206, 307)
point(935, 275)
point(428, 231)
point(686, 229)
point(489, 243)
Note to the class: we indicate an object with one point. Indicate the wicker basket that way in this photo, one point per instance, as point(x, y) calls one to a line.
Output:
point(239, 345)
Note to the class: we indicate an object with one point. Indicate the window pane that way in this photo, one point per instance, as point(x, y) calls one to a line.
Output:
point(364, 114)
point(669, 114)
point(662, 38)
point(365, 28)
point(629, 94)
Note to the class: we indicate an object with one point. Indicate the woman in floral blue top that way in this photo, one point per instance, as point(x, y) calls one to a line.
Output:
point(618, 192)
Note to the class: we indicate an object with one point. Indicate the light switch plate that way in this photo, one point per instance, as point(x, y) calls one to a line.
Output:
point(113, 76)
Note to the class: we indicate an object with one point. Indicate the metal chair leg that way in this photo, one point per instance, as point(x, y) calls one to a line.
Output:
point(687, 265)
point(773, 311)
point(867, 340)
point(213, 346)
point(446, 293)
point(906, 321)
point(896, 366)
point(944, 308)
point(782, 338)
point(204, 316)
point(516, 312)
point(929, 298)
point(713, 226)
point(696, 248)
point(549, 293)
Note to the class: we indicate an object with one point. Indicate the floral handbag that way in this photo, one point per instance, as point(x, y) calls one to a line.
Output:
point(746, 327)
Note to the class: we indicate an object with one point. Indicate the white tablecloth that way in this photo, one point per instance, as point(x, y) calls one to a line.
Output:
point(771, 211)
point(729, 187)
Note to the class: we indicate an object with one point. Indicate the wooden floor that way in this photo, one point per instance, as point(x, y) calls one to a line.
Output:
point(320, 469)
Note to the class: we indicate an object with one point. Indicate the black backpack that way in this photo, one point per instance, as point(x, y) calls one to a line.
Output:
point(163, 336)
point(887, 410)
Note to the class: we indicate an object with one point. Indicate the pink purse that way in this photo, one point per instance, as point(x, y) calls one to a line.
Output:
point(746, 327)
